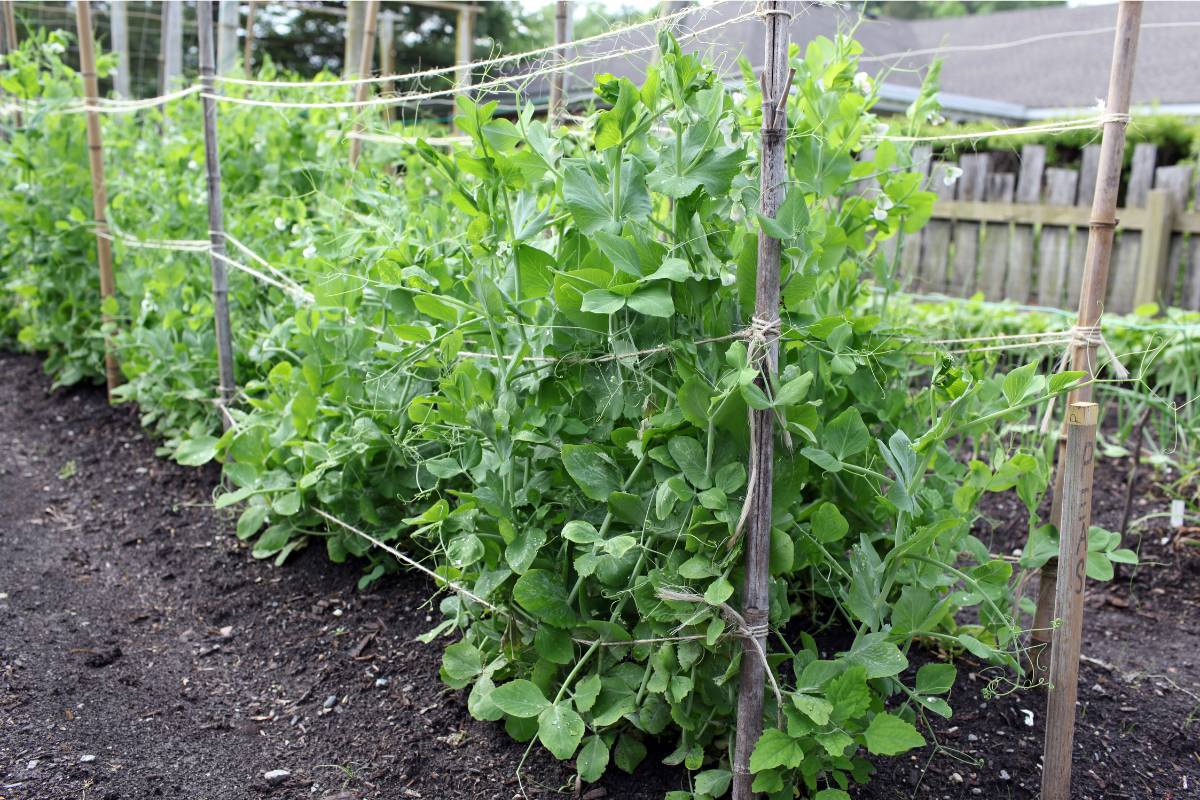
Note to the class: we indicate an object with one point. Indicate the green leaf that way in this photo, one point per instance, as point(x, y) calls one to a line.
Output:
point(520, 698)
point(828, 524)
point(878, 656)
point(1019, 382)
point(286, 504)
point(775, 749)
point(831, 794)
point(462, 661)
point(889, 735)
point(554, 645)
point(586, 692)
point(602, 301)
point(713, 782)
point(793, 391)
point(251, 520)
point(846, 435)
point(591, 470)
point(689, 455)
point(653, 301)
point(560, 730)
point(580, 532)
point(197, 451)
point(935, 678)
point(818, 709)
point(718, 592)
point(542, 595)
point(592, 759)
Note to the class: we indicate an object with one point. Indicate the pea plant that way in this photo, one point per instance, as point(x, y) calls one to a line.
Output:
point(525, 362)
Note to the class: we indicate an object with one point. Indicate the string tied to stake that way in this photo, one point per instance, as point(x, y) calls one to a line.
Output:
point(1091, 338)
point(750, 633)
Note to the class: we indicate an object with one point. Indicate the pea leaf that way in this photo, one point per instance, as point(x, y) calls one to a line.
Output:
point(592, 759)
point(591, 470)
point(520, 698)
point(542, 594)
point(888, 735)
point(560, 730)
point(775, 749)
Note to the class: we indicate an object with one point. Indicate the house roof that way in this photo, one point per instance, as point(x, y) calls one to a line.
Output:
point(1025, 63)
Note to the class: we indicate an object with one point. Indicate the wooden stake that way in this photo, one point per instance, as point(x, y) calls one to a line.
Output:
point(776, 84)
point(216, 211)
point(248, 45)
point(1095, 284)
point(464, 39)
point(1077, 465)
point(362, 90)
point(559, 80)
point(91, 93)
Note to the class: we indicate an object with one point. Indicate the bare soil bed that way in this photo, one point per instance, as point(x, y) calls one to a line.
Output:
point(144, 653)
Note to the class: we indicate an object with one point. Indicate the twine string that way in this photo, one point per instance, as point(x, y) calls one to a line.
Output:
point(751, 634)
point(761, 335)
point(1090, 338)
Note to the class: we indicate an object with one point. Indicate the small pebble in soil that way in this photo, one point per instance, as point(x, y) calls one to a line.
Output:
point(956, 778)
point(381, 683)
point(87, 759)
point(276, 776)
point(1004, 776)
point(972, 737)
point(32, 765)
point(330, 701)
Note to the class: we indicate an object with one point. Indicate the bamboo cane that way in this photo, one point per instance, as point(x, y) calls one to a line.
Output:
point(91, 91)
point(1095, 283)
point(364, 69)
point(248, 46)
point(216, 214)
point(1077, 465)
point(755, 600)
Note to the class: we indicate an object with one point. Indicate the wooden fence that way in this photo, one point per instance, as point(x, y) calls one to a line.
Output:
point(1019, 231)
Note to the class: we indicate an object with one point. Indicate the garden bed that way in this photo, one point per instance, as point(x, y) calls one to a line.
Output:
point(145, 653)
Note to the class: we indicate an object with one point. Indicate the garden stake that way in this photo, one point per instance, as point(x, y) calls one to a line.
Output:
point(1076, 466)
point(755, 601)
point(91, 91)
point(216, 214)
point(364, 69)
point(248, 45)
point(558, 81)
point(1094, 288)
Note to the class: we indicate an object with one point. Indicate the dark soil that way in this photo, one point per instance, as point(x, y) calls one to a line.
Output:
point(144, 653)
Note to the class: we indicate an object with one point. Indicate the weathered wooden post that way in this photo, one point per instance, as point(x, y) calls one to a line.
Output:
point(248, 45)
point(464, 40)
point(559, 80)
point(1094, 288)
point(216, 214)
point(1156, 246)
point(764, 340)
point(355, 19)
point(1077, 465)
point(363, 90)
point(8, 43)
point(91, 93)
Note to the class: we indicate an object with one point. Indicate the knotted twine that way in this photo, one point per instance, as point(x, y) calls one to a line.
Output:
point(761, 336)
point(1088, 336)
point(742, 629)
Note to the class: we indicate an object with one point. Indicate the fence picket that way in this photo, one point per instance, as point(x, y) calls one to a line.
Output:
point(1089, 168)
point(1019, 282)
point(1125, 258)
point(910, 247)
point(936, 244)
point(1191, 269)
point(1055, 239)
point(966, 234)
point(1177, 182)
point(993, 254)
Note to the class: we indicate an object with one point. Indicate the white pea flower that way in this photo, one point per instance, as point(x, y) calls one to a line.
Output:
point(934, 118)
point(737, 212)
point(883, 204)
point(952, 174)
point(862, 82)
point(192, 165)
point(309, 251)
point(280, 223)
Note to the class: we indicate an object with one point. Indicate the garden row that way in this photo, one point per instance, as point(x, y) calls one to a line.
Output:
point(525, 363)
